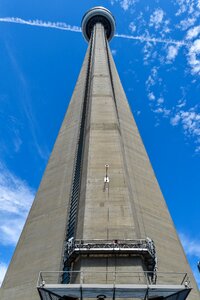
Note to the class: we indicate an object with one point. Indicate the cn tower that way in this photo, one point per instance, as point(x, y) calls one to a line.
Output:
point(99, 226)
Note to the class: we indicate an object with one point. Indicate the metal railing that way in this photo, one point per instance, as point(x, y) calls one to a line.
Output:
point(78, 245)
point(112, 278)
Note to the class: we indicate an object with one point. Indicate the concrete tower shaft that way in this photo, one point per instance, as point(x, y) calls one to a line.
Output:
point(99, 210)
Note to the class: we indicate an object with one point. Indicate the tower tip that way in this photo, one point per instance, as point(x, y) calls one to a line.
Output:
point(98, 14)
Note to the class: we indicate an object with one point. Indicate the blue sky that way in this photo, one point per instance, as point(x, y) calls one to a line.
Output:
point(157, 53)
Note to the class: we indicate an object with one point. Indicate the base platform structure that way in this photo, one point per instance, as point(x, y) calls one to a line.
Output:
point(171, 286)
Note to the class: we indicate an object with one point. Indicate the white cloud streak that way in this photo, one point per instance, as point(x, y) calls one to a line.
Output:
point(26, 104)
point(191, 246)
point(192, 249)
point(151, 39)
point(15, 200)
point(67, 27)
point(39, 23)
point(3, 269)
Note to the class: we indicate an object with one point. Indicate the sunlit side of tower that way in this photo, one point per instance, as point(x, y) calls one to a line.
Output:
point(99, 221)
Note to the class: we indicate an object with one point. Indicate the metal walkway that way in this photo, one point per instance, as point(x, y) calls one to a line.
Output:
point(141, 247)
point(170, 286)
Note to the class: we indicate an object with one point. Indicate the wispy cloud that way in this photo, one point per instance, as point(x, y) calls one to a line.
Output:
point(132, 27)
point(125, 4)
point(187, 23)
point(26, 105)
point(40, 23)
point(3, 269)
point(193, 32)
point(152, 79)
point(191, 245)
point(152, 39)
point(67, 27)
point(185, 6)
point(161, 110)
point(194, 49)
point(151, 96)
point(188, 13)
point(193, 57)
point(190, 121)
point(15, 200)
point(172, 52)
point(156, 18)
point(192, 249)
point(114, 52)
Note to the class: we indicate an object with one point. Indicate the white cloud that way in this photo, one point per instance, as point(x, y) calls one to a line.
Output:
point(151, 96)
point(192, 249)
point(193, 60)
point(175, 120)
point(40, 23)
point(143, 38)
point(157, 21)
point(114, 52)
point(172, 52)
point(160, 100)
point(197, 149)
point(188, 11)
point(185, 6)
point(15, 200)
point(67, 27)
point(185, 24)
point(149, 53)
point(17, 143)
point(152, 79)
point(3, 269)
point(181, 103)
point(138, 112)
point(125, 4)
point(190, 122)
point(156, 18)
point(26, 105)
point(162, 110)
point(11, 230)
point(193, 33)
point(132, 27)
point(191, 246)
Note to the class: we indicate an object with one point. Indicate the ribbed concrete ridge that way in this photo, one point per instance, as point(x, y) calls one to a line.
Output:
point(99, 210)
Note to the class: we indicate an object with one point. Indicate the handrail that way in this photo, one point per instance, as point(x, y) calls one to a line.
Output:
point(178, 278)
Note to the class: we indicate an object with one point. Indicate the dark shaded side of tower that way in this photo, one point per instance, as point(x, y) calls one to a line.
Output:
point(98, 129)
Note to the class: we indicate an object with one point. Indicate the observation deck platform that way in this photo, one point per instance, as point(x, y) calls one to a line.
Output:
point(171, 286)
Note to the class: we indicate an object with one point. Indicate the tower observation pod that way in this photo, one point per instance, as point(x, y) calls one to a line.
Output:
point(100, 15)
point(99, 227)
